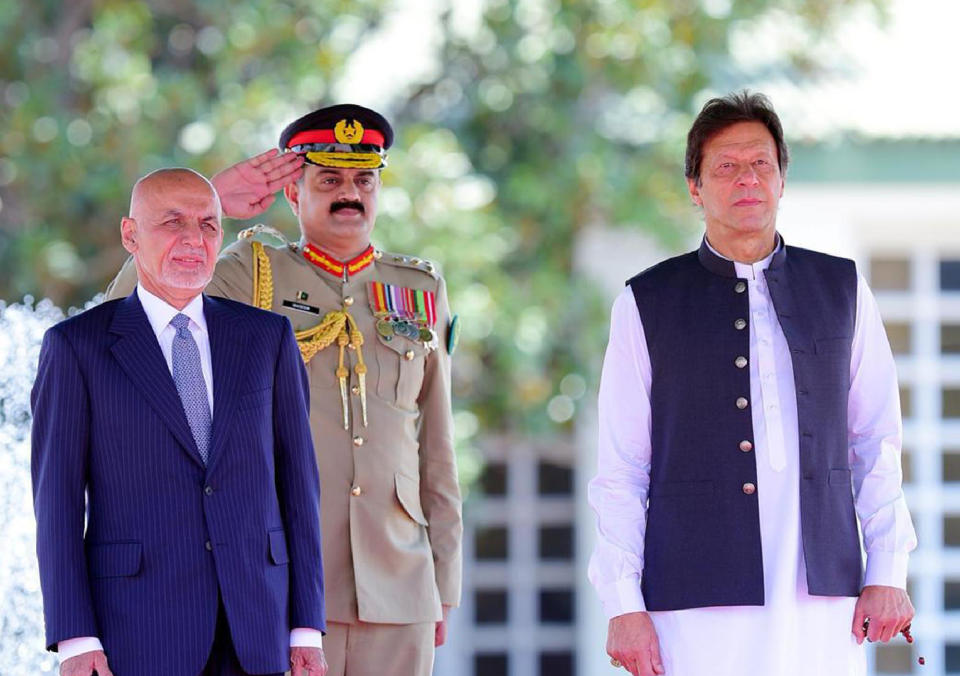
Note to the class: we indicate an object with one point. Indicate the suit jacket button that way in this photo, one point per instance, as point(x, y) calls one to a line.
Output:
point(741, 362)
point(740, 287)
point(348, 301)
point(749, 488)
point(355, 389)
point(208, 490)
point(742, 403)
point(740, 324)
point(208, 545)
point(746, 446)
point(408, 355)
point(358, 441)
point(355, 491)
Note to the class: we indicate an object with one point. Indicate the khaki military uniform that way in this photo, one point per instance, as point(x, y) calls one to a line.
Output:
point(390, 501)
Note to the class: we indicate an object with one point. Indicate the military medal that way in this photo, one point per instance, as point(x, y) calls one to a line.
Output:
point(400, 311)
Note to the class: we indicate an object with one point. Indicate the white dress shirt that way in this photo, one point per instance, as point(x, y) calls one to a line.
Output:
point(794, 634)
point(159, 313)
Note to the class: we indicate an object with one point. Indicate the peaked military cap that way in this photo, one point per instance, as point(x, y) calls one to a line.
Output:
point(344, 136)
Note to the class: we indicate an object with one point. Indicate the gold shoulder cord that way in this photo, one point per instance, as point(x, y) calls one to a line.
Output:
point(336, 325)
point(262, 278)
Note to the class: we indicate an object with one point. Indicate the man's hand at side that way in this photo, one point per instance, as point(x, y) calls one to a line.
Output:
point(632, 641)
point(440, 633)
point(84, 664)
point(307, 661)
point(888, 609)
point(248, 188)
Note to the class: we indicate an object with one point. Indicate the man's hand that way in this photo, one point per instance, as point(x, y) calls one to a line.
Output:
point(440, 633)
point(307, 662)
point(84, 664)
point(632, 641)
point(888, 610)
point(248, 188)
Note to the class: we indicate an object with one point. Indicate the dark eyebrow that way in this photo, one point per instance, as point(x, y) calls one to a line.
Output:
point(172, 212)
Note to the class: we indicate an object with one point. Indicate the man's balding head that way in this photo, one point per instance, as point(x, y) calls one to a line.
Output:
point(173, 232)
point(154, 184)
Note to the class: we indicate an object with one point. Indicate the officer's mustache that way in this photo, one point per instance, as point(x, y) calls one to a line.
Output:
point(337, 206)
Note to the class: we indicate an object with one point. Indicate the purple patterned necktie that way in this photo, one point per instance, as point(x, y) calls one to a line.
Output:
point(188, 377)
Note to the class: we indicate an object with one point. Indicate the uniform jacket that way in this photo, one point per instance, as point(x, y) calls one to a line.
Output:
point(391, 503)
point(165, 534)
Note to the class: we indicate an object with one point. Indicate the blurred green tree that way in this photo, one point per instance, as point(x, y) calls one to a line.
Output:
point(551, 116)
point(541, 118)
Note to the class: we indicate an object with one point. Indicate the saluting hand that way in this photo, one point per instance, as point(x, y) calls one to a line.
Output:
point(84, 664)
point(248, 188)
point(307, 662)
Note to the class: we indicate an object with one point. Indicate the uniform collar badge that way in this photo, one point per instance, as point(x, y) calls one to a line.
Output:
point(342, 269)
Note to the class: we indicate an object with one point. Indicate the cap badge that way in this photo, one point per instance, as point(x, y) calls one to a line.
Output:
point(348, 131)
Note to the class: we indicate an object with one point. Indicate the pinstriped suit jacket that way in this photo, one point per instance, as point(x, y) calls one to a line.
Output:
point(165, 534)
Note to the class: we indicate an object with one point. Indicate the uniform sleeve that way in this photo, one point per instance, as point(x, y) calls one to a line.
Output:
point(618, 492)
point(874, 437)
point(125, 281)
point(439, 486)
point(233, 276)
point(58, 464)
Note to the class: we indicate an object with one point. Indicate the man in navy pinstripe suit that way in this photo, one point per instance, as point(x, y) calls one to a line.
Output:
point(177, 424)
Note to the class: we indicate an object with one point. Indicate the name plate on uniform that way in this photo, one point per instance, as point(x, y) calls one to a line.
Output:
point(302, 307)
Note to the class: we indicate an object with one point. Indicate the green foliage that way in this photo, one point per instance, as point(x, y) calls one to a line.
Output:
point(542, 118)
point(95, 94)
point(572, 115)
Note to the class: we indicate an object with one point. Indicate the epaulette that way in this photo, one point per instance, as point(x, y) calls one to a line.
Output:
point(254, 230)
point(401, 261)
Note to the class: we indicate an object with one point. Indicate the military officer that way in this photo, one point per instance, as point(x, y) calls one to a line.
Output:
point(376, 333)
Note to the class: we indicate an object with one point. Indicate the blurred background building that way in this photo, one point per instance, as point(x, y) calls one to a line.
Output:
point(548, 135)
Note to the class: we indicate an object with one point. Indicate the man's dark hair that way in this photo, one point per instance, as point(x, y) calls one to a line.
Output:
point(719, 113)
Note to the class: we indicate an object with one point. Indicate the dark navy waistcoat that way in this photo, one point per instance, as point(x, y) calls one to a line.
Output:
point(702, 544)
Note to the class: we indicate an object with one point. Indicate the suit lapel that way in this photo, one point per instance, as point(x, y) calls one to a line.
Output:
point(138, 353)
point(228, 346)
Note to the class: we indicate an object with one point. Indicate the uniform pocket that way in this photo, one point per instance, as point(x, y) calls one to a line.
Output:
point(401, 365)
point(408, 493)
point(114, 559)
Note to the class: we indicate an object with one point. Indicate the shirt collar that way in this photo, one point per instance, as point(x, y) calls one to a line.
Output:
point(719, 264)
point(159, 312)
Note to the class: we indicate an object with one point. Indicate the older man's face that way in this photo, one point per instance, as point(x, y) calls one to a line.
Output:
point(740, 182)
point(174, 235)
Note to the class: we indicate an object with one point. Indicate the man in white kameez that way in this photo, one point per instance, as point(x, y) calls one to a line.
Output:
point(749, 419)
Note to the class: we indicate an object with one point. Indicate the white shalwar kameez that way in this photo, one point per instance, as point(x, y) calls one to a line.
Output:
point(794, 633)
